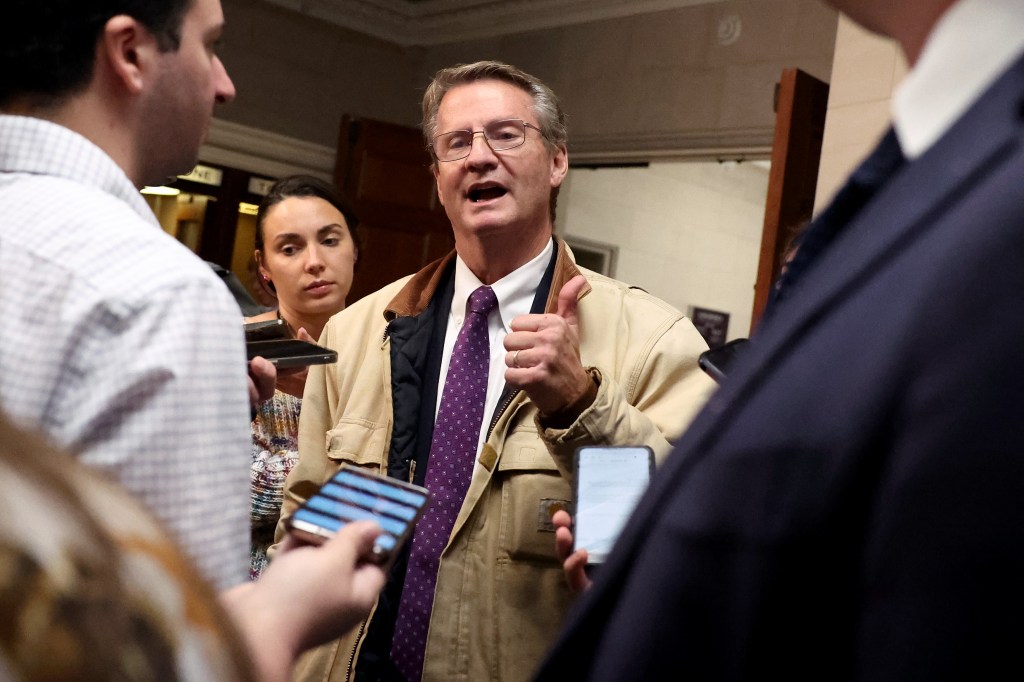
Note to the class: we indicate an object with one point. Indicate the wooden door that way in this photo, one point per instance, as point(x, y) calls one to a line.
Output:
point(384, 169)
point(802, 101)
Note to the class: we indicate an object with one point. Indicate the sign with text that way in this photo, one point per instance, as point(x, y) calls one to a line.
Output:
point(206, 175)
point(260, 186)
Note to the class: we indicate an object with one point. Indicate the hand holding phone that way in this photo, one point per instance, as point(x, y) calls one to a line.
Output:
point(573, 560)
point(608, 483)
point(271, 340)
point(353, 494)
point(312, 594)
point(262, 380)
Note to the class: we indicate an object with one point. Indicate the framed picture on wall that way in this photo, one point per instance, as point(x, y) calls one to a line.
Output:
point(713, 325)
point(593, 255)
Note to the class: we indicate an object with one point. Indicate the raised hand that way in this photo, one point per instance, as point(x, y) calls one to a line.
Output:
point(543, 355)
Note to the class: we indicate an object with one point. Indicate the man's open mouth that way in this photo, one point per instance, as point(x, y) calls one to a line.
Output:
point(486, 193)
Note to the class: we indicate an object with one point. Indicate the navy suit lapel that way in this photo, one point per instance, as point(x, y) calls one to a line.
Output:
point(902, 212)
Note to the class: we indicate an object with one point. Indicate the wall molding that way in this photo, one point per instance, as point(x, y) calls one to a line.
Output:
point(438, 22)
point(718, 145)
point(260, 151)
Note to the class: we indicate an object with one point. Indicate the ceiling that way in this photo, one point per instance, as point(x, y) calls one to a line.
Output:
point(437, 22)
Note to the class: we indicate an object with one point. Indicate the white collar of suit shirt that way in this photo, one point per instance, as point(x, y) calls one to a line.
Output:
point(972, 44)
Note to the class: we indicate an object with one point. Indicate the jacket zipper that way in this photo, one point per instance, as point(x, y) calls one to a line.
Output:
point(352, 656)
point(501, 411)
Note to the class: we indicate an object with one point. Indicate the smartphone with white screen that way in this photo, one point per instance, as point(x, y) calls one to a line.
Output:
point(608, 482)
point(353, 494)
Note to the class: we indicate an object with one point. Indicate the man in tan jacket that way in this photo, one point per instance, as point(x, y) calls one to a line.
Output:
point(575, 359)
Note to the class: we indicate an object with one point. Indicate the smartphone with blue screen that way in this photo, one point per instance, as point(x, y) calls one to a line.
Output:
point(607, 484)
point(353, 494)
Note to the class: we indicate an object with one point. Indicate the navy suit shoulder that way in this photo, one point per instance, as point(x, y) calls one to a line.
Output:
point(848, 505)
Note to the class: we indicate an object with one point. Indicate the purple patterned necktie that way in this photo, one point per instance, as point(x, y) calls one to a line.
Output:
point(449, 470)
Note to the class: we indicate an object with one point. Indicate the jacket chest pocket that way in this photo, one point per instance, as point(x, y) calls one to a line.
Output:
point(358, 442)
point(532, 489)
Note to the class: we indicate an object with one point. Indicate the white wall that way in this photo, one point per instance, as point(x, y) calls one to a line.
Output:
point(688, 232)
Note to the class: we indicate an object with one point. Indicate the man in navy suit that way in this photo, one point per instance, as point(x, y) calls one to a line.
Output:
point(850, 504)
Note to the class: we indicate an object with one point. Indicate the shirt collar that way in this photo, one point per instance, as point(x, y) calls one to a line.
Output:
point(515, 291)
point(970, 46)
point(37, 146)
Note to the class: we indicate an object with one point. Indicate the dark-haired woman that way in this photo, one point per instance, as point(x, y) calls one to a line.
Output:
point(306, 249)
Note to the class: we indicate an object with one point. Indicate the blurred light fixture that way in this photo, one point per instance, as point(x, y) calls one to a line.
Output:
point(162, 191)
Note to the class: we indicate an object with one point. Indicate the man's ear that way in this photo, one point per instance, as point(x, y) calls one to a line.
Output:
point(559, 165)
point(129, 51)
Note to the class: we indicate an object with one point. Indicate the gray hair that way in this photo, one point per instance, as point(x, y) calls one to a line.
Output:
point(549, 112)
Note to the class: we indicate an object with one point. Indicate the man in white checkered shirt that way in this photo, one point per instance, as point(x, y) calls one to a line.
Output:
point(117, 342)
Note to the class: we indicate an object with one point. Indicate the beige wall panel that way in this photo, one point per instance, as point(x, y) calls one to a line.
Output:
point(865, 70)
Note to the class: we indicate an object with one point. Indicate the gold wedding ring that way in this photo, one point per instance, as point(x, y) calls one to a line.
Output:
point(515, 358)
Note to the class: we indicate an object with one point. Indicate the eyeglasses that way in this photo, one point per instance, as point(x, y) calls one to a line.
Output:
point(500, 136)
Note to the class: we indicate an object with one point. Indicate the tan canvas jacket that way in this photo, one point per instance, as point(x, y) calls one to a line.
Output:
point(500, 594)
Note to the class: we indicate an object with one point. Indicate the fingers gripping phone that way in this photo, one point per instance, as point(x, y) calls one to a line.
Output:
point(355, 495)
point(607, 484)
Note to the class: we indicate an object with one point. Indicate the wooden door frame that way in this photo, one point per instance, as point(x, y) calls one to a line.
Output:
point(801, 105)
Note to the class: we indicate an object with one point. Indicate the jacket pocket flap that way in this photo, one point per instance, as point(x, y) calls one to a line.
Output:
point(531, 456)
point(357, 441)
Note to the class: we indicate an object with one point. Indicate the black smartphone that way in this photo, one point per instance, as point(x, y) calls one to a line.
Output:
point(286, 353)
point(264, 331)
point(718, 361)
point(607, 484)
point(354, 495)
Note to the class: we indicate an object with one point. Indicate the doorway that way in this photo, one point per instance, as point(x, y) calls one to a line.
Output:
point(212, 211)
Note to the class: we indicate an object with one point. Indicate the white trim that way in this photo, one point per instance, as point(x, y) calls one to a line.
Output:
point(734, 143)
point(439, 22)
point(259, 151)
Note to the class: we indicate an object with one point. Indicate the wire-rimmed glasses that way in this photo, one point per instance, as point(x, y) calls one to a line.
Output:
point(499, 135)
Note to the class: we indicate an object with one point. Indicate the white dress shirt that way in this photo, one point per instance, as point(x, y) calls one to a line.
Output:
point(119, 343)
point(969, 48)
point(515, 292)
